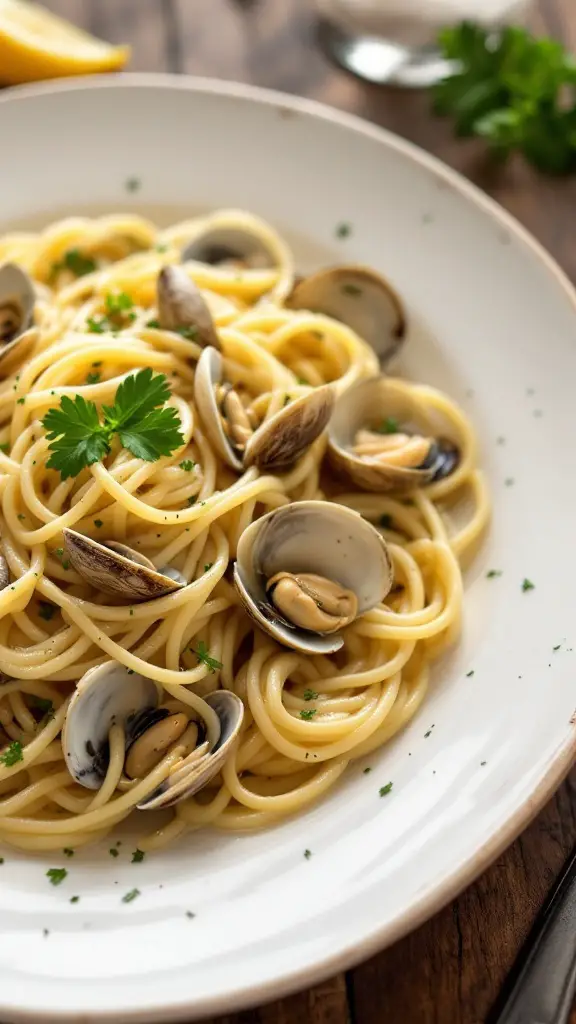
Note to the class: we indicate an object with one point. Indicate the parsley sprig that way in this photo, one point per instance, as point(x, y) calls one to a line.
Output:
point(78, 438)
point(514, 91)
point(203, 655)
point(12, 754)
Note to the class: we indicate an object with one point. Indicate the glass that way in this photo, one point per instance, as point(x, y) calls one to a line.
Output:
point(393, 41)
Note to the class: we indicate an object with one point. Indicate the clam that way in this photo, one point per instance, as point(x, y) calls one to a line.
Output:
point(384, 437)
point(117, 569)
point(110, 694)
point(17, 298)
point(274, 445)
point(182, 307)
point(307, 570)
point(358, 297)
point(223, 245)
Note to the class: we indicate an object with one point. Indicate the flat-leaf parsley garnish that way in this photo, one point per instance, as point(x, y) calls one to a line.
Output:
point(56, 875)
point(493, 574)
point(310, 695)
point(130, 896)
point(138, 856)
point(527, 585)
point(144, 425)
point(384, 790)
point(203, 654)
point(12, 754)
point(389, 426)
point(308, 714)
point(76, 262)
point(187, 465)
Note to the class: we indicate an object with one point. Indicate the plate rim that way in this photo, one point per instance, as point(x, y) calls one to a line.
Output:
point(436, 896)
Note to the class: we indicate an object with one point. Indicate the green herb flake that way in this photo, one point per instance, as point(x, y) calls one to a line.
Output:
point(509, 481)
point(366, 771)
point(41, 704)
point(1, 860)
point(384, 790)
point(5, 447)
point(308, 714)
point(21, 401)
point(557, 648)
point(389, 426)
point(203, 655)
point(190, 332)
point(351, 289)
point(56, 875)
point(98, 325)
point(343, 230)
point(113, 851)
point(130, 896)
point(138, 856)
point(132, 184)
point(76, 262)
point(74, 899)
point(98, 523)
point(189, 914)
point(386, 521)
point(153, 323)
point(470, 674)
point(310, 695)
point(117, 303)
point(46, 610)
point(493, 574)
point(92, 378)
point(68, 852)
point(527, 585)
point(161, 247)
point(187, 465)
point(12, 754)
point(307, 854)
point(208, 566)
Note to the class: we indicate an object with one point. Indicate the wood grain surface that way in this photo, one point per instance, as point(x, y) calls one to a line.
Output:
point(451, 970)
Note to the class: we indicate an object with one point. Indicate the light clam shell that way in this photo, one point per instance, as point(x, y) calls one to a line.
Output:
point(187, 780)
point(16, 287)
point(109, 693)
point(105, 694)
point(358, 297)
point(181, 304)
point(281, 440)
point(314, 537)
point(213, 243)
point(366, 404)
point(117, 569)
point(4, 573)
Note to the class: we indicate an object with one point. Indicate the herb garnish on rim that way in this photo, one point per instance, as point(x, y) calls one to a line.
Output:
point(78, 438)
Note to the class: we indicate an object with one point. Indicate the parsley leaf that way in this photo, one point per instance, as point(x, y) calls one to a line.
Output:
point(129, 896)
point(93, 378)
point(389, 426)
point(308, 714)
point(386, 789)
point(78, 439)
point(138, 856)
point(512, 90)
point(12, 754)
point(76, 262)
point(46, 610)
point(493, 574)
point(310, 695)
point(187, 465)
point(56, 875)
point(527, 585)
point(203, 654)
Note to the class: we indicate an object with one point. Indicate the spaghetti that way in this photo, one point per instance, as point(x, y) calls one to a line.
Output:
point(306, 717)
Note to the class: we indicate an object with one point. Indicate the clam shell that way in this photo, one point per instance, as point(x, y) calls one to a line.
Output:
point(314, 537)
point(116, 569)
point(358, 297)
point(181, 304)
point(17, 289)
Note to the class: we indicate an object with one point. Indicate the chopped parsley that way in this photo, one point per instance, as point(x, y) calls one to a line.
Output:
point(389, 426)
point(76, 262)
point(303, 381)
point(4, 447)
point(130, 896)
point(470, 673)
point(190, 914)
point(386, 521)
point(138, 856)
point(98, 523)
point(153, 323)
point(307, 854)
point(20, 401)
point(189, 332)
point(1, 860)
point(527, 585)
point(351, 289)
point(56, 875)
point(384, 790)
point(493, 573)
point(557, 648)
point(308, 714)
point(310, 695)
point(367, 770)
point(203, 655)
point(140, 417)
point(98, 325)
point(74, 899)
point(509, 481)
point(132, 184)
point(68, 852)
point(113, 852)
point(208, 566)
point(46, 610)
point(42, 704)
point(187, 465)
point(161, 247)
point(93, 378)
point(343, 230)
point(12, 754)
point(118, 302)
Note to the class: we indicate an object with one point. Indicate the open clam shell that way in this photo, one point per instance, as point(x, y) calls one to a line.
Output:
point(106, 694)
point(182, 305)
point(116, 569)
point(189, 778)
point(17, 298)
point(393, 409)
point(4, 573)
point(311, 537)
point(280, 441)
point(222, 244)
point(358, 297)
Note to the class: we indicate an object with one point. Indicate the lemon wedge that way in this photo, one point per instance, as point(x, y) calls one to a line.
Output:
point(36, 44)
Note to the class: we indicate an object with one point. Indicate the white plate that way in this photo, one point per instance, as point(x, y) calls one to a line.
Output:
point(489, 312)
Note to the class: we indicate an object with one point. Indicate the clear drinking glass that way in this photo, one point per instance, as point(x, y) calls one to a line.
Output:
point(393, 41)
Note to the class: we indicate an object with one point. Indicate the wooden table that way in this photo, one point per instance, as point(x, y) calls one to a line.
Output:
point(451, 970)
